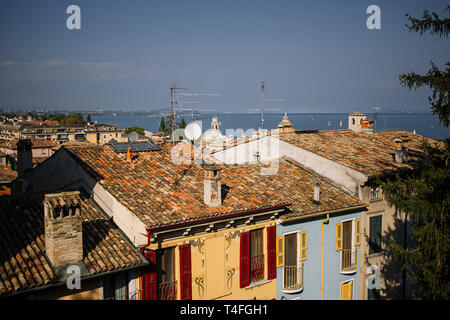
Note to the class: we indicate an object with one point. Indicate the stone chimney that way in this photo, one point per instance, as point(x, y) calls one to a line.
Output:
point(212, 189)
point(401, 152)
point(63, 228)
point(24, 156)
point(317, 192)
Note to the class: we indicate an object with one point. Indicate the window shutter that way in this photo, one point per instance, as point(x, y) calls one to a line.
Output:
point(347, 291)
point(244, 264)
point(357, 232)
point(185, 272)
point(338, 236)
point(271, 252)
point(149, 285)
point(303, 245)
point(280, 251)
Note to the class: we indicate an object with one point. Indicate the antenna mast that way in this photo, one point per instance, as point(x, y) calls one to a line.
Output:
point(262, 105)
point(172, 92)
point(375, 119)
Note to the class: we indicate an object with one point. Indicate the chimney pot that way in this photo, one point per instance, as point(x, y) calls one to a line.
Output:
point(129, 154)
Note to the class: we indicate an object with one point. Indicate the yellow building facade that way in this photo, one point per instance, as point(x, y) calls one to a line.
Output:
point(216, 261)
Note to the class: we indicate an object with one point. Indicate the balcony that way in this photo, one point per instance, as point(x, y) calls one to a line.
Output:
point(257, 268)
point(293, 278)
point(349, 260)
point(167, 290)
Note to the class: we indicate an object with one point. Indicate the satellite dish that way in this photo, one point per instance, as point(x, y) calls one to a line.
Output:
point(133, 136)
point(193, 131)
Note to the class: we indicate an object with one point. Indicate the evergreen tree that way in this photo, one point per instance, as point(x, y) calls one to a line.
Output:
point(182, 124)
point(162, 125)
point(424, 194)
point(88, 118)
point(437, 80)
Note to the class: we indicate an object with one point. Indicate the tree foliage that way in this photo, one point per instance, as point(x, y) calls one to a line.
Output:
point(138, 130)
point(437, 80)
point(424, 194)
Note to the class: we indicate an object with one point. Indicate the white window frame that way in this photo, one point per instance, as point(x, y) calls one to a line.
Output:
point(299, 263)
point(353, 246)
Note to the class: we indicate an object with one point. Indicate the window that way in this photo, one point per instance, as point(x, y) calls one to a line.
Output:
point(115, 287)
point(346, 242)
point(165, 274)
point(256, 255)
point(375, 234)
point(353, 121)
point(347, 290)
point(252, 261)
point(373, 193)
point(292, 250)
point(373, 294)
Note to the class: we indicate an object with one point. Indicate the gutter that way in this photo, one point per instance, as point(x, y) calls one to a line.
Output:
point(150, 230)
point(220, 217)
point(324, 213)
point(323, 244)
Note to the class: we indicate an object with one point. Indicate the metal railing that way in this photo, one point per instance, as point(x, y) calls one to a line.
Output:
point(349, 261)
point(167, 290)
point(257, 268)
point(293, 277)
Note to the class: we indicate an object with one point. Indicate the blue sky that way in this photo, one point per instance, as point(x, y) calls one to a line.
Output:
point(317, 56)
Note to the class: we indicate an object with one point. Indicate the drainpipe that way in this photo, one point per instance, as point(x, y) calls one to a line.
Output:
point(324, 221)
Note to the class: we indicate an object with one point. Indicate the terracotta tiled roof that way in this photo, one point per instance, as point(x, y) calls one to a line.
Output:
point(7, 175)
point(162, 193)
point(357, 114)
point(36, 143)
point(23, 263)
point(371, 154)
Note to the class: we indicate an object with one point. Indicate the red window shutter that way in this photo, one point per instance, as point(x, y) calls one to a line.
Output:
point(271, 252)
point(149, 283)
point(244, 265)
point(185, 272)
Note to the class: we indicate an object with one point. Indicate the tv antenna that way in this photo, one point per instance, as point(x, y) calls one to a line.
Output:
point(262, 105)
point(375, 118)
point(192, 95)
point(172, 93)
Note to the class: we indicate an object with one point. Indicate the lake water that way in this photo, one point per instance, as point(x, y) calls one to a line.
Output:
point(425, 124)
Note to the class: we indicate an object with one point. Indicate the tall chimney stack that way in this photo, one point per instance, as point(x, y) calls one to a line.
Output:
point(212, 188)
point(24, 156)
point(63, 228)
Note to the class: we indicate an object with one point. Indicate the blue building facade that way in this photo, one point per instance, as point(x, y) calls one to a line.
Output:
point(299, 256)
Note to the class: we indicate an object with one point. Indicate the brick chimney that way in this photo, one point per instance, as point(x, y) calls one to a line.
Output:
point(212, 188)
point(24, 156)
point(63, 231)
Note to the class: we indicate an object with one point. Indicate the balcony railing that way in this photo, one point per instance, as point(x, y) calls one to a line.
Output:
point(167, 291)
point(293, 277)
point(349, 261)
point(257, 268)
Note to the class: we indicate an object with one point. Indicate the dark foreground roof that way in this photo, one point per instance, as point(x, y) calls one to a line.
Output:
point(23, 262)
